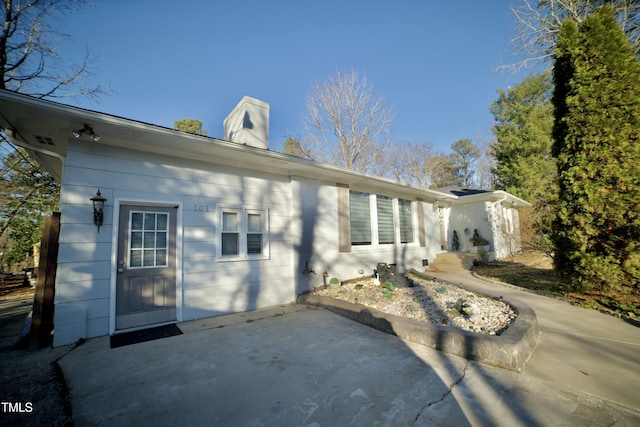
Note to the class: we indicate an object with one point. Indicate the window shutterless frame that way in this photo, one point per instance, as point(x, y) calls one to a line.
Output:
point(243, 234)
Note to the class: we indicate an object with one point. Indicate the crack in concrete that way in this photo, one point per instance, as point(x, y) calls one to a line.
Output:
point(444, 396)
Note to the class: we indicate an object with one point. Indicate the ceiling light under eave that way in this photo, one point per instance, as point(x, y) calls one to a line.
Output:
point(86, 130)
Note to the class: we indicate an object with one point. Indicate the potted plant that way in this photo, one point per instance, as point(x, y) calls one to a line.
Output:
point(456, 241)
point(478, 241)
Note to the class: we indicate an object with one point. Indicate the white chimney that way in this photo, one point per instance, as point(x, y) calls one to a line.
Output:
point(248, 123)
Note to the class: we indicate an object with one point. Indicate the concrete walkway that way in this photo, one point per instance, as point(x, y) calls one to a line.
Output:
point(295, 365)
point(580, 350)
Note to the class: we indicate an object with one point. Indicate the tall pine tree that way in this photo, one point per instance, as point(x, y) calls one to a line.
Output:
point(597, 146)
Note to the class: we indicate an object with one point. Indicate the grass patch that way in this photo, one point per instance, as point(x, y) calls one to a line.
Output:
point(531, 271)
point(534, 278)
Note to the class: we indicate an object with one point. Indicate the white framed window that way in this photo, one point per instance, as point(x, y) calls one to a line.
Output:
point(386, 225)
point(405, 211)
point(148, 239)
point(360, 218)
point(243, 234)
point(380, 220)
point(230, 233)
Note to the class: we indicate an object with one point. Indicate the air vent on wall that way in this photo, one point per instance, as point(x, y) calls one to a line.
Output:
point(44, 140)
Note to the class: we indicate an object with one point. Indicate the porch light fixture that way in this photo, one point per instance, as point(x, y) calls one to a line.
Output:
point(86, 130)
point(98, 209)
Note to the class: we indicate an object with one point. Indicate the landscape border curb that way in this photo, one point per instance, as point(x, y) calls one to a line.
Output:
point(510, 350)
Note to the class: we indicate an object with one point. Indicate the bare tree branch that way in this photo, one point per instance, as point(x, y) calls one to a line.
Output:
point(29, 61)
point(346, 123)
point(538, 22)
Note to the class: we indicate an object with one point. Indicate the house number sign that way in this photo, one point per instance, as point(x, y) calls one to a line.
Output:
point(201, 208)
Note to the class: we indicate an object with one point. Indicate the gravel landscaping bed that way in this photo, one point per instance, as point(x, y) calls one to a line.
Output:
point(428, 301)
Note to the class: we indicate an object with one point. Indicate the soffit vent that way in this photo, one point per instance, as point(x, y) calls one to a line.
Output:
point(44, 140)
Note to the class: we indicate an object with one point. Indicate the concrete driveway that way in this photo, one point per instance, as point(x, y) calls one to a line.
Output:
point(299, 366)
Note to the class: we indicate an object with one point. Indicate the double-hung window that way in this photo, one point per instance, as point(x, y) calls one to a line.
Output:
point(230, 239)
point(255, 232)
point(243, 234)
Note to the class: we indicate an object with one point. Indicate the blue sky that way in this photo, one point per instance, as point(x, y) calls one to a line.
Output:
point(433, 61)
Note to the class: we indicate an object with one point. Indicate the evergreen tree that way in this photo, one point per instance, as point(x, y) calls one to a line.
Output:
point(464, 155)
point(27, 194)
point(293, 147)
point(523, 164)
point(597, 145)
point(522, 149)
point(190, 126)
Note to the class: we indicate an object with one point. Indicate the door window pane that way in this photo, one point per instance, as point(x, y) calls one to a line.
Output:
point(136, 221)
point(149, 259)
point(135, 259)
point(162, 222)
point(148, 239)
point(149, 221)
point(136, 239)
point(161, 256)
point(161, 240)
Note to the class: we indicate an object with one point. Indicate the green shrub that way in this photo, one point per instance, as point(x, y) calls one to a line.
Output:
point(461, 306)
point(456, 241)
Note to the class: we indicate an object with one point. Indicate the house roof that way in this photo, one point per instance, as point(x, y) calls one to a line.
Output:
point(470, 195)
point(44, 128)
point(461, 192)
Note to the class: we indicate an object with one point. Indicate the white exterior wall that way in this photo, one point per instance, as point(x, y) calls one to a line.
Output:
point(315, 239)
point(506, 230)
point(85, 281)
point(474, 215)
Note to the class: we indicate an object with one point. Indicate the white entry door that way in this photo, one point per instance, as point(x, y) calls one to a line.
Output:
point(146, 282)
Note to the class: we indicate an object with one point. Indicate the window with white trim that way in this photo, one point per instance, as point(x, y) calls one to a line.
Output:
point(360, 218)
point(380, 220)
point(230, 236)
point(243, 234)
point(406, 220)
point(386, 226)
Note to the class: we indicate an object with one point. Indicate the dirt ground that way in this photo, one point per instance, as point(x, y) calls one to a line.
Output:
point(33, 390)
point(534, 270)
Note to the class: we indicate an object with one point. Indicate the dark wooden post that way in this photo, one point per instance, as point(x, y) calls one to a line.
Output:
point(42, 317)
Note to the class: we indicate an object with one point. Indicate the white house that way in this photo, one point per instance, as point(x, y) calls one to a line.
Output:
point(197, 226)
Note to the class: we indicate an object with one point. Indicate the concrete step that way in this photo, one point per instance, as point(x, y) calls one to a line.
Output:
point(452, 261)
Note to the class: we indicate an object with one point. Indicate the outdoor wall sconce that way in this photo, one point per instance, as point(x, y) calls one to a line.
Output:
point(86, 130)
point(98, 209)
